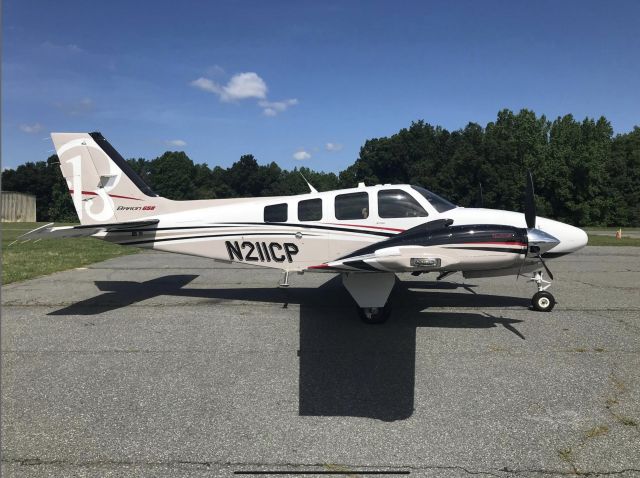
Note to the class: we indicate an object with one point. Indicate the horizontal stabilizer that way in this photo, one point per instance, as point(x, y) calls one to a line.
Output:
point(48, 231)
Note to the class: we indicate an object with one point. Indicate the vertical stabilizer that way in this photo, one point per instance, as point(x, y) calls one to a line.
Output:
point(104, 187)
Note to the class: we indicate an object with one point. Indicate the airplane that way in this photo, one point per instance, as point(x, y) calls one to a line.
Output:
point(368, 234)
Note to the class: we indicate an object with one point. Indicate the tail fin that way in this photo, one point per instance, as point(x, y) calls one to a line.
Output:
point(104, 187)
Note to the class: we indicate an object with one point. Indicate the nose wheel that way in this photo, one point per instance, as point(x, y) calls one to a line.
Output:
point(542, 301)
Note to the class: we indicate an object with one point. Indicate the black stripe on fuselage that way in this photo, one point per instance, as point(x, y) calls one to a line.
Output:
point(231, 224)
point(361, 265)
point(173, 228)
point(315, 226)
point(182, 238)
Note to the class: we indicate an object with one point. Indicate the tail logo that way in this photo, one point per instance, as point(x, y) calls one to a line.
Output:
point(88, 205)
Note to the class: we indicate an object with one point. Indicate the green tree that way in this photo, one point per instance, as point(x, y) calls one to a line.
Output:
point(37, 179)
point(172, 176)
point(623, 172)
point(514, 144)
point(220, 183)
point(458, 176)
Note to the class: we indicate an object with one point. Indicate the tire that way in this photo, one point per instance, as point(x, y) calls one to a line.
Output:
point(543, 301)
point(374, 315)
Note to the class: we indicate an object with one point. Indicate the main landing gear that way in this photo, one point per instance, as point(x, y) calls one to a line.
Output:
point(374, 315)
point(542, 301)
point(370, 291)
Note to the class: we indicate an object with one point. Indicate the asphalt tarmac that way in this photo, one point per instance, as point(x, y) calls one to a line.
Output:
point(172, 366)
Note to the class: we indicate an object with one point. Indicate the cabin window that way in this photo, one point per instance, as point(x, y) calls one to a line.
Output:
point(352, 206)
point(310, 210)
point(276, 213)
point(398, 203)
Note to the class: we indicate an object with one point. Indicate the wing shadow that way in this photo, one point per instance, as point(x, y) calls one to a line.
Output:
point(118, 294)
point(348, 368)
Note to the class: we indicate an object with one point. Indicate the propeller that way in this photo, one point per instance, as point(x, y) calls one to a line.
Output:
point(480, 196)
point(545, 266)
point(530, 203)
point(536, 251)
point(535, 236)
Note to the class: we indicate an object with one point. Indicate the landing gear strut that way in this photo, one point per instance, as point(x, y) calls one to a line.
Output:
point(542, 301)
point(370, 292)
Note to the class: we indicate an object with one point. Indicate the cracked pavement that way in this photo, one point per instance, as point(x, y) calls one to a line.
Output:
point(163, 365)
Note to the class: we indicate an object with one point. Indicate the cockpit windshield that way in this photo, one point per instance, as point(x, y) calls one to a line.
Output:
point(440, 204)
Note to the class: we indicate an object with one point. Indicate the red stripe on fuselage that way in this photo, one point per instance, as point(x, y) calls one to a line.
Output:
point(368, 227)
point(91, 193)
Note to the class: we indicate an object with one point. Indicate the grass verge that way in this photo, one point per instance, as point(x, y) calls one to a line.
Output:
point(23, 261)
point(599, 240)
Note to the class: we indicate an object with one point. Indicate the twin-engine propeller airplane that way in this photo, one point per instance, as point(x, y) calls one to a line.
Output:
point(367, 234)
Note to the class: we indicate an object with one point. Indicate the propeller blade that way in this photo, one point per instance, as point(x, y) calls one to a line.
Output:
point(481, 197)
point(530, 203)
point(521, 265)
point(545, 266)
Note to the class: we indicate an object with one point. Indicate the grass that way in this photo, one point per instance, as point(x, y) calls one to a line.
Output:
point(597, 431)
point(630, 422)
point(565, 454)
point(610, 228)
point(599, 240)
point(23, 261)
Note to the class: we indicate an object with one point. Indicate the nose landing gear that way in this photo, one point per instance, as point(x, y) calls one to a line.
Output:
point(542, 301)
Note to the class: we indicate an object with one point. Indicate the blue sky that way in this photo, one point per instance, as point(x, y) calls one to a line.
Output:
point(303, 83)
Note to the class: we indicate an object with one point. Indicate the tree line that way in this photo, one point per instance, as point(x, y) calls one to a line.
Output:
point(584, 174)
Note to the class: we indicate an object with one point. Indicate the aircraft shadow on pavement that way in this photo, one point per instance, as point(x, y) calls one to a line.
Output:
point(347, 368)
point(118, 294)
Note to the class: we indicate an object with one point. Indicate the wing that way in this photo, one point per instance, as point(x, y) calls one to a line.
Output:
point(49, 232)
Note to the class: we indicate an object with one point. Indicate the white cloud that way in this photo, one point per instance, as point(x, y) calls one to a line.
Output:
point(54, 47)
point(301, 155)
point(240, 87)
point(176, 142)
point(333, 147)
point(272, 108)
point(216, 70)
point(31, 128)
point(84, 106)
point(78, 108)
point(205, 84)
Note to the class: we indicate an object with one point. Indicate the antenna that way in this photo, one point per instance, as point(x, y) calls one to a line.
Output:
point(311, 188)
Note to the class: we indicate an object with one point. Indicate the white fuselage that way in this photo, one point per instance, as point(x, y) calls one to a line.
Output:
point(298, 236)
